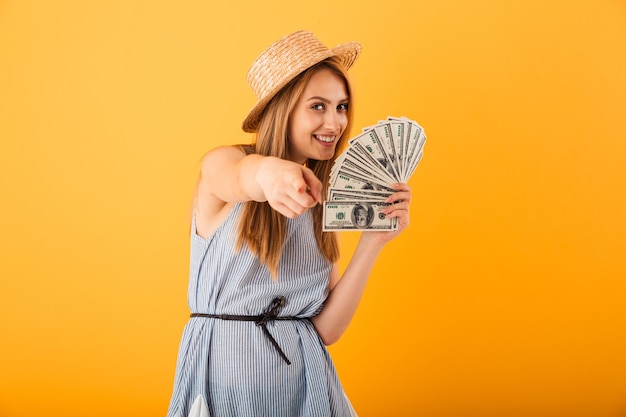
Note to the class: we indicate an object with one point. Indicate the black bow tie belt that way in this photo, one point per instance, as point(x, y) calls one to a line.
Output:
point(271, 314)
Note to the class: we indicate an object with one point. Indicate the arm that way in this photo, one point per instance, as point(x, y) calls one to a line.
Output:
point(345, 293)
point(228, 175)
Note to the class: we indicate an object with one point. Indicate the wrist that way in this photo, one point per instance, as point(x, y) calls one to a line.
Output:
point(371, 242)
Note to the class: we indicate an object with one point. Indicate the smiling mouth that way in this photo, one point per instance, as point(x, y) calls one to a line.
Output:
point(325, 139)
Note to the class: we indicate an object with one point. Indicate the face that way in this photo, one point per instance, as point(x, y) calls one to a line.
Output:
point(361, 217)
point(319, 118)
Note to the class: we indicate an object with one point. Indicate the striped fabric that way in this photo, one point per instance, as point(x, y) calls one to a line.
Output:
point(232, 363)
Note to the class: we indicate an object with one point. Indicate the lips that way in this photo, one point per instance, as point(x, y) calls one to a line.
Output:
point(325, 139)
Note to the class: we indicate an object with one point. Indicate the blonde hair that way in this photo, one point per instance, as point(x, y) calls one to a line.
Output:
point(262, 228)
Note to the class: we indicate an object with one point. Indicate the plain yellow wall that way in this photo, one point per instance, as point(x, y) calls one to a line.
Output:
point(505, 298)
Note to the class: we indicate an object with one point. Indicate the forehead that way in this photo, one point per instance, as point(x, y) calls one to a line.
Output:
point(327, 84)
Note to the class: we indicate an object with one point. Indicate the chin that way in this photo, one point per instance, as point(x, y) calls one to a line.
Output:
point(324, 157)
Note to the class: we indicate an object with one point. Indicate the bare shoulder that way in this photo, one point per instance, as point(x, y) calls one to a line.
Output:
point(210, 208)
point(221, 156)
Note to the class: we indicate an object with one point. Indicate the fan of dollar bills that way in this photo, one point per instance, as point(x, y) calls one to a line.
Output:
point(361, 178)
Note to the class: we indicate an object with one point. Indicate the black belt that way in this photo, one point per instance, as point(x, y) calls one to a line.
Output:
point(271, 314)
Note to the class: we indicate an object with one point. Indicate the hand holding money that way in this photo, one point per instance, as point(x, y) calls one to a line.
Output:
point(363, 175)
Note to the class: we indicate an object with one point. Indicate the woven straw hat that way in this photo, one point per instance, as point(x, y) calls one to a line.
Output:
point(283, 61)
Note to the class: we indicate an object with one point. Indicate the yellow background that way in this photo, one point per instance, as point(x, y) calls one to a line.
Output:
point(505, 298)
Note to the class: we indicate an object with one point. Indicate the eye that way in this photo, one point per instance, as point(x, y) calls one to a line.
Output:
point(343, 107)
point(318, 106)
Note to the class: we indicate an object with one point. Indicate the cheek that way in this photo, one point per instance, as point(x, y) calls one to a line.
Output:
point(343, 120)
point(301, 122)
point(297, 124)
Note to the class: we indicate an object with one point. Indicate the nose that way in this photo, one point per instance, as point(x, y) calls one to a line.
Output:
point(332, 121)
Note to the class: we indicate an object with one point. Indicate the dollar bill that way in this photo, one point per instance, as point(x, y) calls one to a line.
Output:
point(355, 156)
point(417, 161)
point(357, 216)
point(372, 145)
point(376, 162)
point(357, 166)
point(349, 180)
point(335, 194)
point(413, 145)
point(398, 130)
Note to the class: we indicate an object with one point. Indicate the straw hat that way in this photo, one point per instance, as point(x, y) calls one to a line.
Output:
point(283, 61)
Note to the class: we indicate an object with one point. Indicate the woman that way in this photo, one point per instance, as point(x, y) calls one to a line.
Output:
point(264, 290)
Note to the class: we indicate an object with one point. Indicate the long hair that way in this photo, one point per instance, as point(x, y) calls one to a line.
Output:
point(262, 228)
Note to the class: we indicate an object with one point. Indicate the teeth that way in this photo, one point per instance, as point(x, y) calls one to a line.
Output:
point(326, 139)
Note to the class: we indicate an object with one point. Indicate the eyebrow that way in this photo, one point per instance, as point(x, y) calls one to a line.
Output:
point(325, 100)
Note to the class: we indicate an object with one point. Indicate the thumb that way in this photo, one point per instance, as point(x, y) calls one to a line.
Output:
point(314, 185)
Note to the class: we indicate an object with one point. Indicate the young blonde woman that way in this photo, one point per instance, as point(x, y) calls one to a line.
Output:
point(265, 292)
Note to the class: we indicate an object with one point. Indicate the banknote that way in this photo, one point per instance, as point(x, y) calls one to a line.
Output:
point(364, 174)
point(346, 179)
point(398, 131)
point(335, 194)
point(371, 146)
point(358, 215)
point(361, 168)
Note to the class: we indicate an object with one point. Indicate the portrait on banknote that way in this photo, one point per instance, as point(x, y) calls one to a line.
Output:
point(362, 215)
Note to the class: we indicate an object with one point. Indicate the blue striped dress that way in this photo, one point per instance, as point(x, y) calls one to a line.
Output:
point(233, 364)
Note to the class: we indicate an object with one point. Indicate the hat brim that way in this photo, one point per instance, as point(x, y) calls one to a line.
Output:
point(346, 53)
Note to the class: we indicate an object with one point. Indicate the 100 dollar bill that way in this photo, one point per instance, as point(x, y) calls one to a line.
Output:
point(357, 216)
